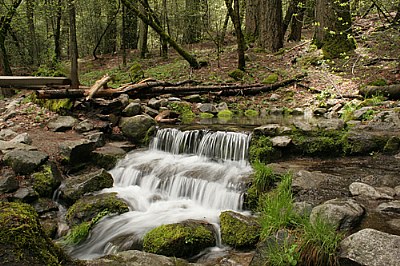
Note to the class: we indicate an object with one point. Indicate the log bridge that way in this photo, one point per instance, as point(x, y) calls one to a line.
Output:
point(32, 82)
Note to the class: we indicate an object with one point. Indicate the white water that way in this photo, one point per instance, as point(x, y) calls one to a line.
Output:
point(167, 187)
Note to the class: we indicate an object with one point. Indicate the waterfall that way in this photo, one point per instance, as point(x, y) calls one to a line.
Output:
point(183, 175)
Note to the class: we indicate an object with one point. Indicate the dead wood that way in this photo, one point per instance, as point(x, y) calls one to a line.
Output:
point(390, 91)
point(101, 83)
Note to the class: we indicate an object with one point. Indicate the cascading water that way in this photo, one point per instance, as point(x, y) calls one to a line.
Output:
point(183, 175)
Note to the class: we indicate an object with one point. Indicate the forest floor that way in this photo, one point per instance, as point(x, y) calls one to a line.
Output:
point(376, 60)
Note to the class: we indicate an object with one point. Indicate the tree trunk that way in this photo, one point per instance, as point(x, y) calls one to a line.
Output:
point(73, 44)
point(149, 18)
point(234, 13)
point(110, 36)
point(32, 46)
point(271, 36)
point(297, 22)
point(292, 9)
point(333, 30)
point(131, 29)
point(192, 33)
point(57, 33)
point(143, 33)
point(164, 17)
point(252, 20)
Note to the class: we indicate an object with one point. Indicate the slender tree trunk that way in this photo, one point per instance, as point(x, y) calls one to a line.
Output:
point(271, 36)
point(33, 48)
point(123, 36)
point(110, 36)
point(192, 32)
point(149, 19)
point(73, 45)
point(164, 16)
point(57, 33)
point(131, 29)
point(224, 27)
point(292, 9)
point(297, 23)
point(333, 31)
point(143, 33)
point(234, 13)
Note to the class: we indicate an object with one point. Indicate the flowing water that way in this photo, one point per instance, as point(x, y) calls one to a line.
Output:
point(183, 175)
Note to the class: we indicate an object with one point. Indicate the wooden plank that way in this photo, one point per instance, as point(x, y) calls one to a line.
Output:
point(32, 82)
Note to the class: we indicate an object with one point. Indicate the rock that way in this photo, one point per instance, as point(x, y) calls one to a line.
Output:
point(207, 108)
point(22, 138)
point(125, 145)
point(222, 106)
point(45, 205)
point(8, 182)
point(45, 182)
point(136, 258)
point(6, 146)
point(320, 111)
point(86, 208)
point(174, 99)
point(281, 141)
point(22, 239)
point(302, 208)
point(62, 123)
point(364, 190)
point(157, 104)
point(107, 157)
point(392, 145)
point(303, 126)
point(394, 224)
point(150, 111)
point(359, 114)
point(344, 213)
point(113, 106)
point(26, 194)
point(137, 127)
point(392, 207)
point(331, 124)
point(305, 180)
point(84, 126)
point(397, 189)
point(391, 192)
point(7, 134)
point(267, 130)
point(298, 111)
point(370, 247)
point(332, 102)
point(25, 162)
point(239, 231)
point(274, 97)
point(276, 111)
point(181, 240)
point(97, 138)
point(132, 109)
point(76, 152)
point(195, 98)
point(75, 187)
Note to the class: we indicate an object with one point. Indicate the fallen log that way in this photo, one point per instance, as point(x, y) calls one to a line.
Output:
point(73, 93)
point(390, 91)
point(101, 83)
point(32, 82)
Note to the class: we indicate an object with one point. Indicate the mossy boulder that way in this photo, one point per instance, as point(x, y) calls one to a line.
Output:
point(25, 162)
point(237, 74)
point(107, 156)
point(44, 182)
point(86, 208)
point(271, 79)
point(238, 230)
point(137, 128)
point(75, 187)
point(181, 240)
point(22, 239)
point(76, 153)
point(261, 149)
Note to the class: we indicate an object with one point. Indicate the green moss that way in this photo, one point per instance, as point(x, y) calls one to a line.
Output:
point(44, 182)
point(238, 230)
point(184, 109)
point(61, 106)
point(136, 72)
point(225, 114)
point(85, 209)
point(179, 240)
point(271, 79)
point(206, 115)
point(22, 239)
point(261, 149)
point(378, 82)
point(251, 113)
point(237, 74)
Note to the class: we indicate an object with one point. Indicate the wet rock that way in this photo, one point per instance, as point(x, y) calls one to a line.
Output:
point(391, 207)
point(45, 182)
point(125, 145)
point(132, 109)
point(86, 208)
point(22, 138)
point(303, 126)
point(45, 205)
point(365, 190)
point(7, 134)
point(305, 180)
point(107, 156)
point(76, 152)
point(267, 130)
point(136, 127)
point(75, 187)
point(281, 141)
point(97, 138)
point(8, 182)
point(174, 99)
point(238, 230)
point(181, 240)
point(136, 258)
point(331, 124)
point(84, 126)
point(344, 213)
point(25, 162)
point(62, 123)
point(23, 241)
point(26, 194)
point(150, 111)
point(370, 247)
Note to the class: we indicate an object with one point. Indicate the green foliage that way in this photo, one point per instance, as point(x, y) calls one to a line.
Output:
point(263, 177)
point(276, 208)
point(136, 72)
point(261, 149)
point(206, 115)
point(378, 82)
point(283, 254)
point(184, 109)
point(119, 76)
point(251, 113)
point(319, 242)
point(44, 182)
point(237, 74)
point(175, 69)
point(51, 71)
point(271, 79)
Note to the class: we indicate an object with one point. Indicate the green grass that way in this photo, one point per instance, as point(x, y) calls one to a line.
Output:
point(263, 177)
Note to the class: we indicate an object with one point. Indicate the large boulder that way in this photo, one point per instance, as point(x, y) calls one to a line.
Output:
point(390, 207)
point(25, 162)
point(365, 190)
point(370, 247)
point(181, 240)
point(22, 239)
point(238, 230)
point(76, 152)
point(107, 156)
point(344, 213)
point(132, 109)
point(86, 208)
point(137, 127)
point(136, 258)
point(75, 187)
